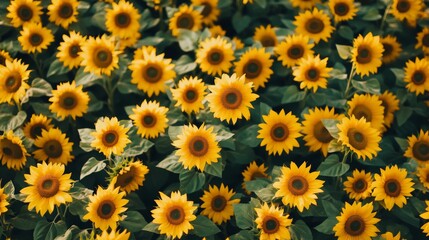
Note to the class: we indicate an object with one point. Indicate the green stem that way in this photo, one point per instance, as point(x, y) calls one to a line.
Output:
point(38, 66)
point(345, 156)
point(110, 94)
point(349, 80)
point(383, 20)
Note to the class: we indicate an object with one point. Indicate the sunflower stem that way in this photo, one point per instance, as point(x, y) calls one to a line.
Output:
point(349, 80)
point(110, 94)
point(38, 66)
point(345, 156)
point(383, 20)
point(18, 105)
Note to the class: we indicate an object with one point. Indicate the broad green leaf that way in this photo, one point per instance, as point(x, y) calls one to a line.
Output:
point(174, 132)
point(240, 22)
point(331, 208)
point(25, 220)
point(11, 122)
point(187, 40)
point(171, 164)
point(292, 94)
point(346, 32)
point(86, 139)
point(191, 181)
point(151, 227)
point(403, 114)
point(406, 215)
point(9, 189)
point(184, 65)
point(78, 207)
point(49, 230)
point(369, 86)
point(344, 51)
point(214, 169)
point(92, 165)
point(332, 167)
point(70, 233)
point(257, 184)
point(371, 14)
point(79, 191)
point(261, 3)
point(266, 194)
point(87, 79)
point(327, 226)
point(137, 146)
point(57, 68)
point(331, 126)
point(403, 143)
point(248, 135)
point(300, 230)
point(242, 235)
point(134, 221)
point(244, 215)
point(203, 227)
point(39, 87)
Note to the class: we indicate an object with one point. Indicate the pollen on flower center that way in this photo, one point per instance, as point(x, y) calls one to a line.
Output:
point(361, 111)
point(106, 209)
point(176, 216)
point(13, 83)
point(392, 188)
point(25, 13)
point(354, 225)
point(279, 132)
point(403, 6)
point(36, 39)
point(65, 10)
point(198, 146)
point(357, 139)
point(11, 149)
point(122, 20)
point(102, 58)
point(270, 225)
point(321, 133)
point(341, 9)
point(218, 203)
point(360, 185)
point(110, 138)
point(297, 185)
point(48, 187)
point(231, 98)
point(314, 25)
point(185, 21)
point(53, 148)
point(421, 150)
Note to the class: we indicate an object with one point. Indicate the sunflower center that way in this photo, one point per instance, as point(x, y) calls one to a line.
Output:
point(425, 40)
point(314, 25)
point(321, 133)
point(148, 120)
point(110, 138)
point(74, 51)
point(106, 209)
point(268, 41)
point(341, 9)
point(418, 77)
point(126, 178)
point(357, 139)
point(102, 57)
point(279, 132)
point(25, 13)
point(152, 74)
point(13, 83)
point(297, 185)
point(65, 10)
point(385, 107)
point(354, 225)
point(198, 146)
point(176, 216)
point(122, 20)
point(252, 69)
point(392, 187)
point(270, 225)
point(231, 98)
point(215, 57)
point(312, 74)
point(48, 187)
point(185, 21)
point(403, 6)
point(206, 10)
point(36, 39)
point(360, 185)
point(295, 51)
point(36, 130)
point(388, 49)
point(11, 149)
point(68, 101)
point(218, 203)
point(421, 150)
point(361, 111)
point(53, 148)
point(364, 55)
point(190, 96)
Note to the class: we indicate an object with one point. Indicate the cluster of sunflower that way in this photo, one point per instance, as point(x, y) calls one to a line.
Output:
point(209, 119)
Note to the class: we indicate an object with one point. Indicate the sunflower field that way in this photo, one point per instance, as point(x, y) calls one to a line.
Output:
point(214, 119)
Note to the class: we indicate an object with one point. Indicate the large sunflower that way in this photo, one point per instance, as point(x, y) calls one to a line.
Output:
point(391, 105)
point(99, 55)
point(392, 48)
point(266, 36)
point(252, 172)
point(423, 40)
point(272, 223)
point(34, 37)
point(38, 122)
point(197, 147)
point(217, 203)
point(113, 235)
point(231, 97)
point(69, 100)
point(69, 49)
point(110, 136)
point(185, 18)
point(418, 147)
point(315, 24)
point(131, 176)
point(423, 174)
point(256, 64)
point(293, 49)
point(54, 147)
point(150, 119)
point(24, 11)
point(367, 53)
point(407, 9)
point(3, 201)
point(210, 10)
point(4, 56)
point(122, 20)
point(359, 185)
point(189, 94)
point(360, 137)
point(215, 55)
point(312, 73)
point(48, 188)
point(304, 4)
point(343, 10)
point(279, 132)
point(174, 214)
point(13, 81)
point(12, 151)
point(356, 222)
point(63, 12)
point(425, 215)
point(368, 107)
point(297, 186)
point(417, 76)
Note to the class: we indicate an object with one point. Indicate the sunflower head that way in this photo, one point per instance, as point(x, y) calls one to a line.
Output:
point(24, 11)
point(185, 18)
point(69, 100)
point(417, 75)
point(13, 81)
point(150, 119)
point(131, 176)
point(237, 43)
point(294, 48)
point(38, 122)
point(12, 151)
point(113, 235)
point(315, 24)
point(110, 136)
point(69, 49)
point(391, 105)
point(312, 73)
point(210, 12)
point(63, 12)
point(367, 53)
point(368, 107)
point(189, 94)
point(122, 20)
point(423, 174)
point(35, 38)
point(99, 55)
point(418, 147)
point(53, 146)
point(359, 185)
point(423, 40)
point(343, 10)
point(143, 52)
point(408, 10)
point(217, 203)
point(217, 31)
point(392, 49)
point(252, 172)
point(272, 222)
point(4, 202)
point(4, 56)
point(266, 35)
point(215, 55)
point(304, 4)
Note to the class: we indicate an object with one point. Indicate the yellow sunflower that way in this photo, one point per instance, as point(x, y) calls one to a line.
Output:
point(38, 122)
point(272, 223)
point(360, 137)
point(390, 236)
point(13, 81)
point(392, 49)
point(216, 31)
point(4, 56)
point(150, 119)
point(368, 107)
point(316, 136)
point(185, 18)
point(210, 11)
point(129, 41)
point(423, 174)
point(139, 52)
point(48, 187)
point(266, 36)
point(110, 136)
point(197, 147)
point(256, 64)
point(293, 49)
point(24, 11)
point(315, 24)
point(3, 201)
point(113, 235)
point(247, 1)
point(105, 207)
point(122, 20)
point(131, 176)
point(34, 37)
point(99, 55)
point(279, 132)
point(252, 172)
point(237, 43)
point(174, 214)
point(425, 215)
point(12, 151)
point(151, 72)
point(63, 12)
point(367, 53)
point(418, 147)
point(304, 4)
point(343, 10)
point(417, 76)
point(359, 185)
point(391, 105)
point(54, 147)
point(312, 73)
point(407, 9)
point(69, 49)
point(69, 100)
point(217, 203)
point(189, 94)
point(423, 40)
point(214, 56)
point(356, 222)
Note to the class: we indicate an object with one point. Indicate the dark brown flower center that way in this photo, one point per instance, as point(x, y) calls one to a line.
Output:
point(25, 13)
point(357, 139)
point(314, 25)
point(198, 146)
point(48, 186)
point(74, 50)
point(68, 101)
point(425, 40)
point(185, 21)
point(11, 149)
point(190, 96)
point(421, 150)
point(35, 39)
point(53, 148)
point(102, 57)
point(418, 77)
point(341, 9)
point(215, 57)
point(392, 188)
point(252, 68)
point(355, 225)
point(385, 107)
point(176, 215)
point(297, 185)
point(13, 82)
point(65, 10)
point(106, 209)
point(312, 74)
point(361, 111)
point(122, 20)
point(268, 41)
point(295, 51)
point(279, 132)
point(125, 178)
point(148, 120)
point(360, 185)
point(36, 130)
point(388, 49)
point(206, 10)
point(218, 203)
point(403, 6)
point(231, 98)
point(270, 225)
point(364, 55)
point(110, 138)
point(152, 73)
point(321, 133)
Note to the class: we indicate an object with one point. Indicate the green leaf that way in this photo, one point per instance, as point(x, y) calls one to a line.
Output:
point(49, 230)
point(92, 165)
point(406, 214)
point(79, 191)
point(300, 230)
point(403, 114)
point(11, 122)
point(171, 164)
point(134, 221)
point(371, 14)
point(266, 194)
point(214, 169)
point(403, 143)
point(257, 184)
point(203, 227)
point(399, 74)
point(327, 226)
point(137, 146)
point(86, 139)
point(331, 126)
point(25, 220)
point(292, 94)
point(9, 189)
point(240, 22)
point(151, 227)
point(344, 51)
point(87, 79)
point(191, 181)
point(331, 209)
point(369, 86)
point(187, 40)
point(78, 207)
point(242, 235)
point(39, 87)
point(184, 65)
point(68, 235)
point(174, 132)
point(332, 167)
point(261, 3)
point(346, 32)
point(57, 68)
point(244, 215)
point(248, 135)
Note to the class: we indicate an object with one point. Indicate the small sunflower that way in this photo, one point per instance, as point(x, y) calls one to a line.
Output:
point(237, 43)
point(304, 4)
point(312, 72)
point(63, 12)
point(210, 10)
point(216, 31)
point(110, 136)
point(391, 104)
point(139, 53)
point(69, 49)
point(256, 64)
point(425, 215)
point(368, 107)
point(129, 41)
point(38, 122)
point(272, 223)
point(69, 100)
point(390, 236)
point(131, 176)
point(367, 53)
point(35, 38)
point(252, 172)
point(293, 49)
point(359, 185)
point(392, 49)
point(407, 9)
point(12, 151)
point(423, 174)
point(360, 137)
point(418, 147)
point(217, 203)
point(54, 147)
point(197, 147)
point(423, 40)
point(48, 187)
point(24, 11)
point(185, 18)
point(279, 132)
point(113, 235)
point(356, 222)
point(4, 56)
point(417, 76)
point(150, 119)
point(99, 55)
point(343, 10)
point(122, 20)
point(174, 214)
point(214, 56)
point(247, 1)
point(315, 24)
point(266, 36)
point(189, 94)
point(13, 81)
point(3, 201)
point(297, 186)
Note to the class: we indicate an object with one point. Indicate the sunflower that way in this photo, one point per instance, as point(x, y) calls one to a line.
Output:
point(3, 201)
point(312, 73)
point(122, 20)
point(390, 236)
point(69, 49)
point(174, 214)
point(185, 18)
point(197, 147)
point(214, 56)
point(24, 11)
point(4, 56)
point(304, 4)
point(189, 94)
point(99, 55)
point(110, 136)
point(216, 31)
point(139, 52)
point(272, 223)
point(217, 203)
point(63, 12)
point(343, 10)
point(104, 207)
point(48, 187)
point(392, 49)
point(359, 185)
point(293, 49)
point(69, 100)
point(247, 1)
point(12, 152)
point(279, 132)
point(316, 136)
point(150, 119)
point(13, 81)
point(129, 41)
point(151, 72)
point(407, 9)
point(367, 53)
point(425, 215)
point(38, 122)
point(54, 147)
point(210, 11)
point(256, 64)
point(368, 107)
point(356, 222)
point(314, 24)
point(423, 40)
point(237, 43)
point(360, 137)
point(297, 186)
point(252, 172)
point(266, 36)
point(423, 174)
point(34, 37)
point(113, 235)
point(418, 147)
point(417, 76)
point(131, 176)
point(391, 105)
